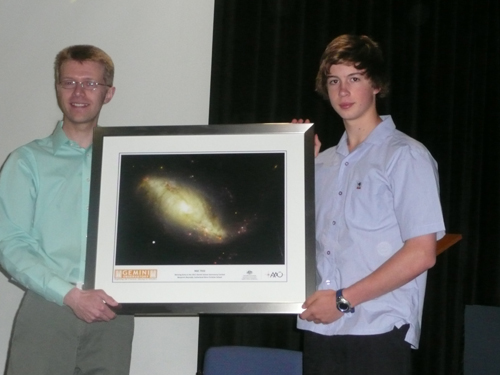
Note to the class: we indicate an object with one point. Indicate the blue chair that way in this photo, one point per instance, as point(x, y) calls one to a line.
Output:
point(246, 360)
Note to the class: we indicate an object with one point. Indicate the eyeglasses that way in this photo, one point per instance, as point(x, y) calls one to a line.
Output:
point(86, 85)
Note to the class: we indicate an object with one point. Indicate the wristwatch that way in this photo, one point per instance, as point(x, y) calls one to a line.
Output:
point(343, 305)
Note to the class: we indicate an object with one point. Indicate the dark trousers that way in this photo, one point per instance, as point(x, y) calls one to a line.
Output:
point(387, 354)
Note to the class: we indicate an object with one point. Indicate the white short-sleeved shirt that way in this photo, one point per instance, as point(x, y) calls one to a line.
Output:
point(368, 202)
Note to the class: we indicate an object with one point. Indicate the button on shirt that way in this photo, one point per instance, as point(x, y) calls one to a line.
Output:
point(368, 202)
point(44, 197)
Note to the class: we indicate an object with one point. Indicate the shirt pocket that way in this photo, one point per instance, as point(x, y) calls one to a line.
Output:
point(369, 202)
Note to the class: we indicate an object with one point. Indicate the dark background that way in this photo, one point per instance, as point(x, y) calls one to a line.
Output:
point(444, 61)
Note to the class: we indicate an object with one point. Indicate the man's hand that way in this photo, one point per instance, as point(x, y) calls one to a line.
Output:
point(317, 143)
point(91, 305)
point(321, 307)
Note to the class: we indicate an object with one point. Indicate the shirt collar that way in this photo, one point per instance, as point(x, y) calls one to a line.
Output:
point(59, 138)
point(377, 135)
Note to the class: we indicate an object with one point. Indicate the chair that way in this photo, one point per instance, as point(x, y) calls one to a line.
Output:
point(246, 360)
point(482, 340)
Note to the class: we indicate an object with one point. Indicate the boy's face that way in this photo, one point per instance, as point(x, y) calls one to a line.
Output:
point(351, 93)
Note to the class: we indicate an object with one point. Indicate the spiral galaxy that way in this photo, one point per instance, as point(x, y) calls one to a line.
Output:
point(182, 208)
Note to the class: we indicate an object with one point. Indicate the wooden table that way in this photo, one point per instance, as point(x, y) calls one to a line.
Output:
point(447, 241)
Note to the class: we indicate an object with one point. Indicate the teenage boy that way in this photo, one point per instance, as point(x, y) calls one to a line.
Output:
point(378, 216)
point(60, 329)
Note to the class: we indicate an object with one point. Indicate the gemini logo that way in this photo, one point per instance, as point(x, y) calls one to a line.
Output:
point(274, 275)
point(136, 274)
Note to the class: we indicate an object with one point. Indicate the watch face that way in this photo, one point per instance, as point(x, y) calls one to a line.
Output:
point(343, 306)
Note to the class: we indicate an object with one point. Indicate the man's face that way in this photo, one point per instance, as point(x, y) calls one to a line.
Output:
point(81, 106)
point(351, 93)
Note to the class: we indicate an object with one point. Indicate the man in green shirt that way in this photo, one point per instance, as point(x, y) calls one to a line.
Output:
point(44, 197)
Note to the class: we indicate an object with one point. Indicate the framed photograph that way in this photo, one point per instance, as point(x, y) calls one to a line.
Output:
point(203, 219)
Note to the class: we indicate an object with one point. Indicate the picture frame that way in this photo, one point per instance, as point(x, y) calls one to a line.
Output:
point(196, 219)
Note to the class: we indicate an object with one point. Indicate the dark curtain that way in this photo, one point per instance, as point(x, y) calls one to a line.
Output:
point(444, 63)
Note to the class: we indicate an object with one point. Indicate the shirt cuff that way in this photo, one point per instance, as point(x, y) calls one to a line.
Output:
point(57, 289)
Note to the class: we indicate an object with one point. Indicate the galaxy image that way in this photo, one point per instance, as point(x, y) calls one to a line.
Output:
point(201, 209)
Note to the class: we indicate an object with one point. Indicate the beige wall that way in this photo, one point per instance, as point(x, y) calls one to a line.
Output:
point(162, 52)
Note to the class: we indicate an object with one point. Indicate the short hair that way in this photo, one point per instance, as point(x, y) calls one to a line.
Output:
point(360, 51)
point(83, 53)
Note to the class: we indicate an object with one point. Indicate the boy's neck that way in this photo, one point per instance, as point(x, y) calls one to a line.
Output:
point(358, 131)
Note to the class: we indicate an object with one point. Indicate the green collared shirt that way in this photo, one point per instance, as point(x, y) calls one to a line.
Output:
point(44, 198)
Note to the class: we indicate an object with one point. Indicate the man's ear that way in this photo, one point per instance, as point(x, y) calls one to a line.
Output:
point(109, 94)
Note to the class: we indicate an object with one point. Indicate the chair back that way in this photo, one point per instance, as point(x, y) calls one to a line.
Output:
point(246, 360)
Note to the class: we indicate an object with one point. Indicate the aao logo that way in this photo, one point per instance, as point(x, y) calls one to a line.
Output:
point(274, 275)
